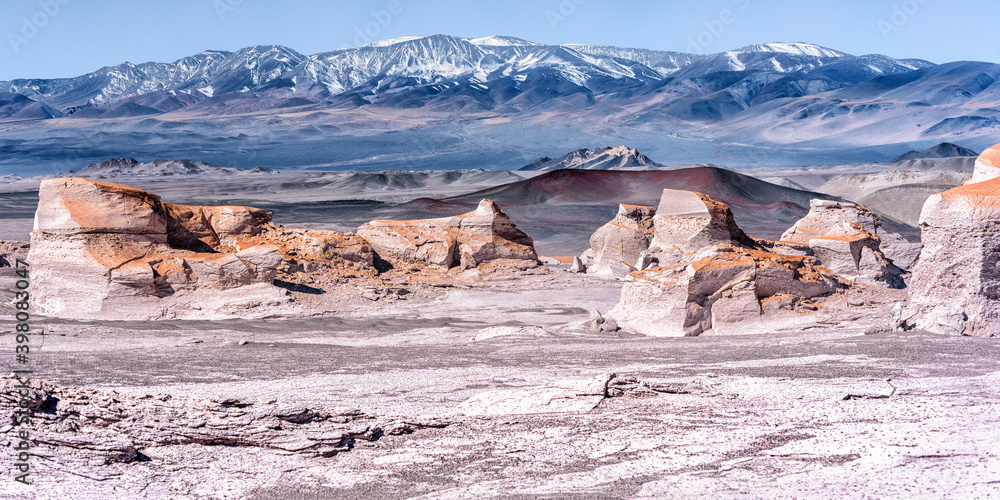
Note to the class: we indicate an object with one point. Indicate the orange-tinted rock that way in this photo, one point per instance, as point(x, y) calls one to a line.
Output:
point(851, 251)
point(616, 246)
point(825, 215)
point(464, 240)
point(719, 289)
point(987, 166)
point(74, 206)
point(955, 288)
point(686, 221)
point(213, 228)
point(109, 251)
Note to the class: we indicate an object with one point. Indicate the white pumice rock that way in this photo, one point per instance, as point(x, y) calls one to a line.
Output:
point(465, 241)
point(955, 288)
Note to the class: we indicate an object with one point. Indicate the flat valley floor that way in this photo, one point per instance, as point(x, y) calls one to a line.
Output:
point(811, 414)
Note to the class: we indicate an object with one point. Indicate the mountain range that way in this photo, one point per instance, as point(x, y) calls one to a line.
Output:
point(413, 71)
point(469, 98)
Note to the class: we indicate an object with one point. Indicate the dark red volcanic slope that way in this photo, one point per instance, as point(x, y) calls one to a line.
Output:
point(762, 209)
point(610, 187)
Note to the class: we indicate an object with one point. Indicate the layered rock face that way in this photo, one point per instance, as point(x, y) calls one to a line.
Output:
point(463, 241)
point(617, 247)
point(639, 237)
point(955, 287)
point(110, 251)
point(987, 166)
point(686, 221)
point(723, 289)
point(711, 277)
point(850, 240)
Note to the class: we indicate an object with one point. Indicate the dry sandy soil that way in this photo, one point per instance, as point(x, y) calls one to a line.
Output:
point(822, 413)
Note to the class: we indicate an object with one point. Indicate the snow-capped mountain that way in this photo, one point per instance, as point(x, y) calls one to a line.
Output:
point(609, 158)
point(460, 94)
point(497, 65)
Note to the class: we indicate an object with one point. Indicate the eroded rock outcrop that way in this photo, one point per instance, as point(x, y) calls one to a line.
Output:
point(723, 289)
point(686, 222)
point(640, 237)
point(616, 246)
point(851, 236)
point(987, 166)
point(955, 287)
point(709, 276)
point(463, 241)
point(851, 251)
point(111, 251)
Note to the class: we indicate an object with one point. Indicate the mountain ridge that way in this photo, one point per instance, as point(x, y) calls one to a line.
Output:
point(377, 68)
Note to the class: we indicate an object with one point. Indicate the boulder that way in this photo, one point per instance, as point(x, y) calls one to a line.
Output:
point(686, 222)
point(853, 252)
point(464, 241)
point(719, 289)
point(618, 244)
point(955, 288)
point(109, 251)
point(987, 166)
point(825, 215)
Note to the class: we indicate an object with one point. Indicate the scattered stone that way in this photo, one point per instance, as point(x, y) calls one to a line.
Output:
point(578, 266)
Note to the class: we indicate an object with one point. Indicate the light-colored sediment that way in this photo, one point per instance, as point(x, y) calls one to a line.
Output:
point(955, 287)
point(464, 241)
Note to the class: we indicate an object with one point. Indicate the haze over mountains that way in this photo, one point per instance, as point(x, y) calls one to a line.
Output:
point(498, 102)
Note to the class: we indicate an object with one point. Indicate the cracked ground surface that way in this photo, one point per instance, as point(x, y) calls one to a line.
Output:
point(363, 406)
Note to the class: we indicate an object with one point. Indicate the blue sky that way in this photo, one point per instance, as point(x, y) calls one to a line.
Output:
point(63, 38)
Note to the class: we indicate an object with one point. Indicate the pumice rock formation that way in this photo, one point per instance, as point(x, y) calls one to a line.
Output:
point(723, 289)
point(111, 251)
point(464, 241)
point(987, 166)
point(711, 277)
point(826, 221)
point(851, 251)
point(619, 244)
point(639, 237)
point(686, 221)
point(955, 288)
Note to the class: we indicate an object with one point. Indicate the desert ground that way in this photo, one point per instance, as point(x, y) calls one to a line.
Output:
point(821, 413)
point(499, 388)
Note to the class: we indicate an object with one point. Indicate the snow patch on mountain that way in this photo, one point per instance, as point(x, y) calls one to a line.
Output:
point(609, 158)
